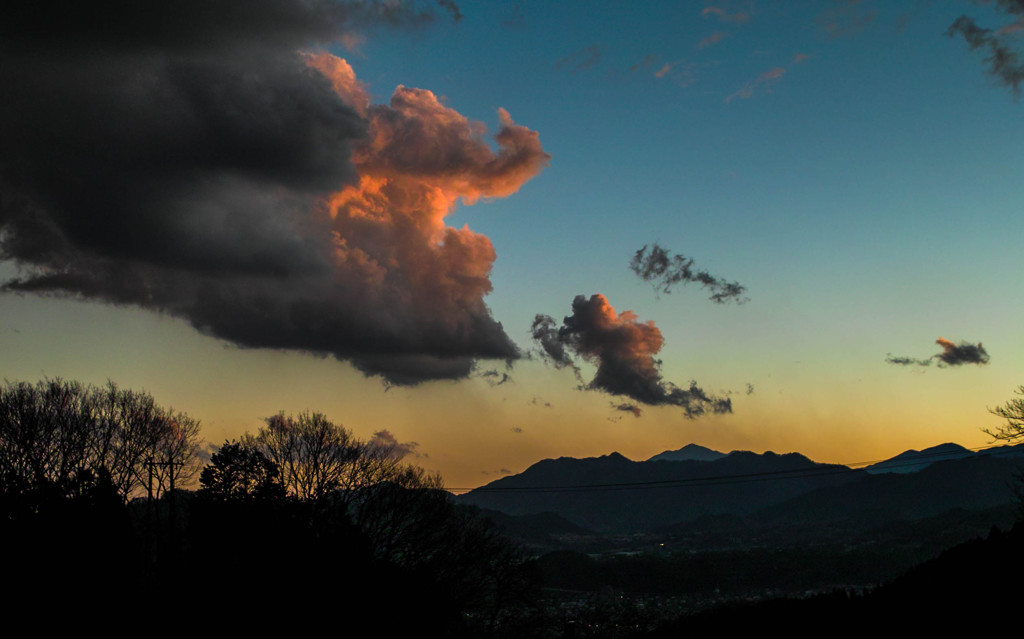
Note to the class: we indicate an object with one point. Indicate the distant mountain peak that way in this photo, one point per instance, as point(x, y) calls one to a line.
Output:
point(690, 452)
point(911, 461)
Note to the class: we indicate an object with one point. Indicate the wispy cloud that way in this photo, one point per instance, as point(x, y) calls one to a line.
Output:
point(580, 60)
point(761, 82)
point(766, 80)
point(723, 14)
point(664, 270)
point(500, 471)
point(712, 39)
point(1003, 61)
point(680, 72)
point(845, 17)
point(648, 61)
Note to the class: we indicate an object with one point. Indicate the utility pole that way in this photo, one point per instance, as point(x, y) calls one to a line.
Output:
point(170, 465)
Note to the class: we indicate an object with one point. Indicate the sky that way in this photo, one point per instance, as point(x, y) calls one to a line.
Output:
point(428, 218)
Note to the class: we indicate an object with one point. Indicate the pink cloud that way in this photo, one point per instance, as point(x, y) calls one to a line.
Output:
point(768, 78)
point(724, 15)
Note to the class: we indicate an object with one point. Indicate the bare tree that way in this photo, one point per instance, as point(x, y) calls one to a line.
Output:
point(1012, 430)
point(53, 430)
point(315, 456)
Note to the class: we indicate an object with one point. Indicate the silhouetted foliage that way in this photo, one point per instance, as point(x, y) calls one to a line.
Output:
point(239, 472)
point(53, 430)
point(1012, 411)
point(302, 515)
point(1012, 431)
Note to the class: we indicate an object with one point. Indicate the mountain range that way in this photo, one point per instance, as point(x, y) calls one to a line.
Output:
point(694, 487)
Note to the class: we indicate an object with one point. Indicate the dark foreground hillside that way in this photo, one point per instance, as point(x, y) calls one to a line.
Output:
point(979, 578)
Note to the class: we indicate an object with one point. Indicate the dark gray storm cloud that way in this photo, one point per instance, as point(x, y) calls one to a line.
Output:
point(952, 354)
point(188, 158)
point(623, 348)
point(664, 270)
point(1003, 61)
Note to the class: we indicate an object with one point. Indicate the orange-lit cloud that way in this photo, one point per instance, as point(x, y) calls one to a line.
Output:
point(261, 196)
point(623, 348)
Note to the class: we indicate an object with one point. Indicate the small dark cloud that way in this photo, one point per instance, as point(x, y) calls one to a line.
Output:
point(663, 271)
point(452, 8)
point(628, 408)
point(1003, 61)
point(623, 348)
point(495, 378)
point(962, 353)
point(500, 471)
point(952, 354)
point(537, 401)
point(581, 60)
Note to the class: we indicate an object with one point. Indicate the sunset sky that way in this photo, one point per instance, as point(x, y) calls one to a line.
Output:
point(361, 208)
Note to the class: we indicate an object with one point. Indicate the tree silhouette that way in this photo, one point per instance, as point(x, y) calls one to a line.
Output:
point(240, 472)
point(1012, 411)
point(53, 430)
point(314, 454)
